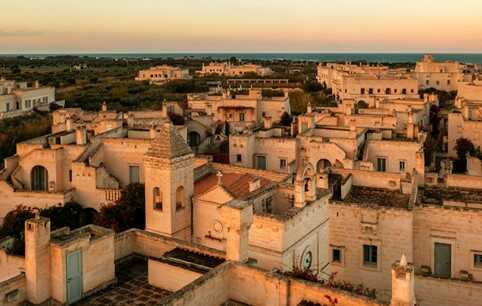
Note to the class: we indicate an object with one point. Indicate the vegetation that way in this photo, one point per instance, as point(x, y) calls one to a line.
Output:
point(463, 147)
point(128, 212)
point(14, 130)
point(71, 214)
point(332, 282)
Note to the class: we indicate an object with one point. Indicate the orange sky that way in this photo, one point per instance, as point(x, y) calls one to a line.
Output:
point(241, 26)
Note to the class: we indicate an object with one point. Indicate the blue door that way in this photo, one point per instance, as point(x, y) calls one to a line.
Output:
point(74, 277)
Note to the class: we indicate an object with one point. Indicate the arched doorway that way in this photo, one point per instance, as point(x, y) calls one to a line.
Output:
point(360, 105)
point(322, 165)
point(39, 178)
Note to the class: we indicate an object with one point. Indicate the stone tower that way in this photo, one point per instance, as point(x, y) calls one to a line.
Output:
point(169, 184)
point(37, 259)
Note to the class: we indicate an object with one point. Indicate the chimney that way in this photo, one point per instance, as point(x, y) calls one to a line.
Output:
point(36, 84)
point(238, 217)
point(69, 124)
point(37, 259)
point(267, 122)
point(220, 178)
point(81, 135)
point(104, 106)
point(403, 283)
point(308, 108)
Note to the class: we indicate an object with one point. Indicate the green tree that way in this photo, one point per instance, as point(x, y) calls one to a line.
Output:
point(128, 212)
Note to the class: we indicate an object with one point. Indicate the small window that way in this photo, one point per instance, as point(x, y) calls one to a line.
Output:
point(402, 166)
point(282, 163)
point(381, 164)
point(70, 175)
point(157, 198)
point(362, 91)
point(370, 91)
point(427, 82)
point(370, 255)
point(241, 117)
point(239, 158)
point(478, 261)
point(133, 174)
point(336, 255)
point(448, 82)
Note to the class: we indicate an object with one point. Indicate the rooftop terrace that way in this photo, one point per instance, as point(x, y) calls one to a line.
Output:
point(377, 196)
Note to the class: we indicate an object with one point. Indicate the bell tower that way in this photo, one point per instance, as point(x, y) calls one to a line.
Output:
point(169, 184)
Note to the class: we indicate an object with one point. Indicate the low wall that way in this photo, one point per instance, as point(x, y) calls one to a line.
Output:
point(168, 276)
point(253, 286)
point(464, 181)
point(135, 241)
point(10, 265)
point(430, 291)
point(13, 291)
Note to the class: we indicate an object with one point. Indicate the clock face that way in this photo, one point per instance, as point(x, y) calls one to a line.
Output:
point(218, 227)
point(306, 260)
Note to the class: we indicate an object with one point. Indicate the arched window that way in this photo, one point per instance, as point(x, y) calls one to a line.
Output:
point(322, 165)
point(180, 198)
point(157, 198)
point(39, 178)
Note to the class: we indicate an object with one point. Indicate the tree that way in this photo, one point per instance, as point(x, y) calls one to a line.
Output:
point(71, 214)
point(128, 212)
point(286, 119)
point(463, 147)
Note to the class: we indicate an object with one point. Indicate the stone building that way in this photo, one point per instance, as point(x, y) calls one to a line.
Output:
point(440, 75)
point(227, 69)
point(17, 99)
point(240, 110)
point(162, 74)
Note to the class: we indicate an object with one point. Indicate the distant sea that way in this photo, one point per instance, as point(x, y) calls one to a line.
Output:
point(474, 58)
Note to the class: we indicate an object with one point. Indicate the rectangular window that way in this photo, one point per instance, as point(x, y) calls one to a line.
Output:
point(70, 175)
point(239, 158)
point(7, 106)
point(370, 255)
point(362, 91)
point(402, 166)
point(133, 174)
point(427, 82)
point(282, 163)
point(448, 82)
point(478, 260)
point(336, 255)
point(241, 117)
point(261, 162)
point(370, 91)
point(381, 164)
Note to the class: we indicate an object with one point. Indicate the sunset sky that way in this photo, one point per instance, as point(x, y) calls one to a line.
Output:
point(38, 26)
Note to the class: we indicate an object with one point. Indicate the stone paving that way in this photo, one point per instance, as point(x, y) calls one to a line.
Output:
point(132, 288)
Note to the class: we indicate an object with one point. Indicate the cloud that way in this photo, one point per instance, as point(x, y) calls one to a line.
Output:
point(20, 33)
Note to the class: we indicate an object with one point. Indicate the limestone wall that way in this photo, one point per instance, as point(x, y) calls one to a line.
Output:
point(168, 276)
point(13, 291)
point(10, 265)
point(458, 227)
point(352, 226)
point(442, 292)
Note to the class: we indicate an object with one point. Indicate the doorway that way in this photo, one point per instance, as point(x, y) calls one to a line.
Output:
point(74, 277)
point(443, 260)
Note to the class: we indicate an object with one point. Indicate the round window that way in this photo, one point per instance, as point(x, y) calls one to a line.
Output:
point(218, 227)
point(306, 260)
